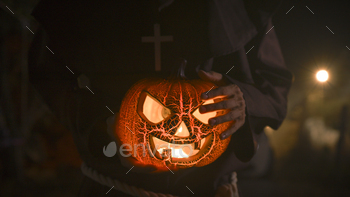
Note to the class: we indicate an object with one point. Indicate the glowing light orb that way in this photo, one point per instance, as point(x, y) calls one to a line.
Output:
point(322, 76)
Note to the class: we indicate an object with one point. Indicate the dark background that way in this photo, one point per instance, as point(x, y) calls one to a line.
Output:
point(310, 153)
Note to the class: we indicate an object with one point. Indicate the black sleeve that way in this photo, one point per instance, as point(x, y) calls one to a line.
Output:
point(266, 96)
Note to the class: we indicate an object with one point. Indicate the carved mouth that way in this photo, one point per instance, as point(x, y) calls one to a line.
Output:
point(185, 154)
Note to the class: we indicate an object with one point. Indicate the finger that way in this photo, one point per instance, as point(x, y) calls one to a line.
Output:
point(226, 104)
point(221, 91)
point(232, 129)
point(231, 115)
point(211, 76)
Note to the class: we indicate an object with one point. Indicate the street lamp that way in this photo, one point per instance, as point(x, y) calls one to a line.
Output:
point(322, 76)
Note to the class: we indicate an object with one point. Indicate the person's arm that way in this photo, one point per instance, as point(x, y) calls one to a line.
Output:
point(265, 100)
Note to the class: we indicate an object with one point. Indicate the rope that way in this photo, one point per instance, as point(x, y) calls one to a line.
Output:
point(227, 190)
point(123, 187)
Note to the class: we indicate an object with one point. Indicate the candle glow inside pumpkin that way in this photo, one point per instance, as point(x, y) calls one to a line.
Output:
point(164, 116)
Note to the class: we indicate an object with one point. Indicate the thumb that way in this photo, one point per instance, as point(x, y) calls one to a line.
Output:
point(211, 76)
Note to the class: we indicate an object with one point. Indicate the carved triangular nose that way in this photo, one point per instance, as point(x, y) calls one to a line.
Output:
point(182, 130)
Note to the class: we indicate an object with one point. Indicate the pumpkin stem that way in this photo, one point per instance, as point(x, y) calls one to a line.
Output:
point(180, 71)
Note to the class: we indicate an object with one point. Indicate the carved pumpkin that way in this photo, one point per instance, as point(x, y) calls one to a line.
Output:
point(162, 115)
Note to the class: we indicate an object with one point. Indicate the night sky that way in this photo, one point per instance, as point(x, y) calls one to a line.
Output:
point(308, 45)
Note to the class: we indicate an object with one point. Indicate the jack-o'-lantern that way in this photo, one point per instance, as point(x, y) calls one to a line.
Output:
point(160, 121)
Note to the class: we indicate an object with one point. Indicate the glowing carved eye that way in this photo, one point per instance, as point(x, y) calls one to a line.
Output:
point(153, 110)
point(204, 118)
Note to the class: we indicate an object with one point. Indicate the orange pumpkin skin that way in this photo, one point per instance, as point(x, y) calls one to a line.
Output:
point(182, 97)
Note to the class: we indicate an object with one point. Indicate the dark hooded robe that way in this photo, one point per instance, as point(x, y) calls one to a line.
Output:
point(102, 40)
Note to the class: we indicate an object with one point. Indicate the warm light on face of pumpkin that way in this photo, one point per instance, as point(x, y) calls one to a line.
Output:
point(178, 151)
point(154, 111)
point(164, 116)
point(204, 118)
point(182, 131)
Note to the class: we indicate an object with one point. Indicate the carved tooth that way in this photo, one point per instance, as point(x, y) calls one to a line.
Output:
point(197, 145)
point(166, 154)
point(168, 163)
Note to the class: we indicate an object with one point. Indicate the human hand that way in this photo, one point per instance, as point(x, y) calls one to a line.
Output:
point(233, 101)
